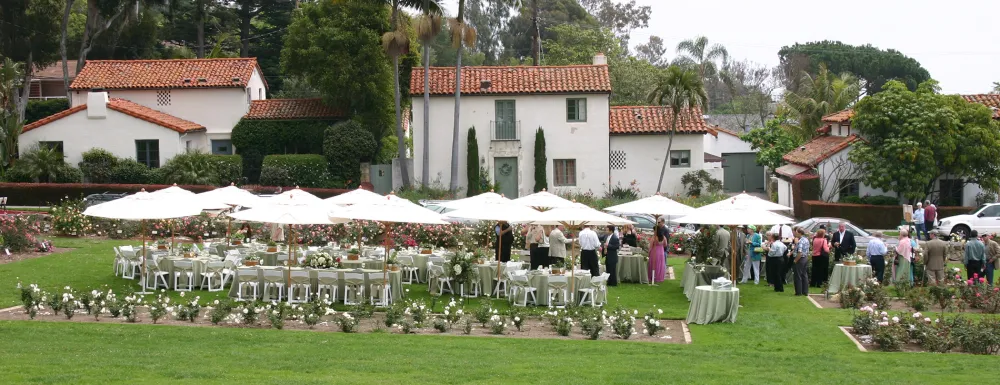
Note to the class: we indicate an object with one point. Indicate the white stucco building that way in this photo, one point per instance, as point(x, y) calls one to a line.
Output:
point(151, 110)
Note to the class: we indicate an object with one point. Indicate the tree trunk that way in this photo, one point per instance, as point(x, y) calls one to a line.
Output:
point(453, 186)
point(536, 41)
point(201, 29)
point(404, 174)
point(666, 159)
point(425, 173)
point(93, 30)
point(246, 16)
point(62, 48)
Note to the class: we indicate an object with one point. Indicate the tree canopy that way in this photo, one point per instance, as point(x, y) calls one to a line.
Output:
point(772, 141)
point(912, 138)
point(872, 65)
point(817, 95)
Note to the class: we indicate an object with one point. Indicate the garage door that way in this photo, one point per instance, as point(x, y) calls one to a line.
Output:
point(742, 173)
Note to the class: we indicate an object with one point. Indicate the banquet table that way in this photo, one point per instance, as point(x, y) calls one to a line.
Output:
point(395, 281)
point(698, 275)
point(272, 258)
point(708, 305)
point(844, 276)
point(198, 266)
point(633, 268)
point(420, 261)
point(363, 263)
point(540, 281)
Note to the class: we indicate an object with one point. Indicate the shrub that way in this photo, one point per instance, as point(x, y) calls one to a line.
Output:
point(890, 335)
point(195, 168)
point(42, 163)
point(345, 146)
point(918, 299)
point(853, 199)
point(696, 182)
point(18, 174)
point(68, 174)
point(865, 321)
point(130, 171)
point(541, 180)
point(40, 108)
point(472, 164)
point(618, 192)
point(881, 200)
point(18, 232)
point(255, 139)
point(295, 170)
point(229, 169)
point(97, 164)
point(68, 218)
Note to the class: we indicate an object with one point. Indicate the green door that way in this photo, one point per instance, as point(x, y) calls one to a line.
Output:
point(742, 173)
point(505, 174)
point(381, 177)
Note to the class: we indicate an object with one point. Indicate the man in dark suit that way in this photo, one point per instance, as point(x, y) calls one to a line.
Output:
point(843, 242)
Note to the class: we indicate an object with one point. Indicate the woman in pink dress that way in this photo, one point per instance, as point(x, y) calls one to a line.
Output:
point(657, 269)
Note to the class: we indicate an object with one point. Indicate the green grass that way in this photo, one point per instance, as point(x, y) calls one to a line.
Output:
point(778, 339)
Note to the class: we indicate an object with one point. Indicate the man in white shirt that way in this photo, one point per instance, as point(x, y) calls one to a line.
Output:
point(589, 243)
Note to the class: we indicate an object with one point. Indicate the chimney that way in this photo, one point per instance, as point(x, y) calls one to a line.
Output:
point(600, 59)
point(97, 104)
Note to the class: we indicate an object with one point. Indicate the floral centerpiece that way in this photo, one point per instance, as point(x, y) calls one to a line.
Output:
point(559, 266)
point(186, 250)
point(272, 247)
point(852, 259)
point(426, 249)
point(321, 261)
point(251, 260)
point(161, 244)
point(461, 268)
point(392, 262)
point(236, 238)
point(353, 254)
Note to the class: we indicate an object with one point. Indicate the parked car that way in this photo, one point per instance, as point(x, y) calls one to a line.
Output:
point(984, 219)
point(861, 236)
point(644, 223)
point(94, 199)
point(435, 206)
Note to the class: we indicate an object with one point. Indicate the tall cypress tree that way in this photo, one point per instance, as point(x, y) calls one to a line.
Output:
point(472, 163)
point(541, 182)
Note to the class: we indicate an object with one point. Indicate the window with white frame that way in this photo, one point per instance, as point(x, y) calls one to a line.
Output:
point(680, 158)
point(576, 110)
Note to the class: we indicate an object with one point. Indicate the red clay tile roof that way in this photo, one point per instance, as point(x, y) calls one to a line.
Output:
point(818, 149)
point(54, 71)
point(989, 100)
point(654, 120)
point(152, 74)
point(128, 108)
point(515, 80)
point(286, 109)
point(840, 116)
point(726, 130)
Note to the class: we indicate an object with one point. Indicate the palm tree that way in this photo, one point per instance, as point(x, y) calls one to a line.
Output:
point(42, 162)
point(194, 168)
point(693, 52)
point(11, 78)
point(428, 27)
point(397, 42)
point(462, 34)
point(819, 95)
point(681, 90)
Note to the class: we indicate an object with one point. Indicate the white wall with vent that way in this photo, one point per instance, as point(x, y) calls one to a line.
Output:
point(639, 158)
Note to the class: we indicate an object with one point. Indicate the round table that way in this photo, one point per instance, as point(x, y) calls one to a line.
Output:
point(197, 267)
point(395, 281)
point(708, 306)
point(633, 268)
point(698, 275)
point(844, 276)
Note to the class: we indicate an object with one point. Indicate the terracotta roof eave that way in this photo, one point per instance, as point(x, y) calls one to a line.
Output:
point(182, 87)
point(149, 119)
point(512, 93)
point(659, 133)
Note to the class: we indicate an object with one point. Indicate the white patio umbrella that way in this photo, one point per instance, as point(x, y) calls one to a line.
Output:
point(496, 209)
point(387, 211)
point(574, 217)
point(734, 215)
point(231, 195)
point(745, 200)
point(298, 194)
point(656, 205)
point(354, 197)
point(140, 207)
point(543, 200)
point(470, 201)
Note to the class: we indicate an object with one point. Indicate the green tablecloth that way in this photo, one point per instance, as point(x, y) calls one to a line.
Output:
point(540, 281)
point(395, 281)
point(271, 259)
point(633, 268)
point(198, 266)
point(698, 275)
point(373, 264)
point(708, 306)
point(844, 276)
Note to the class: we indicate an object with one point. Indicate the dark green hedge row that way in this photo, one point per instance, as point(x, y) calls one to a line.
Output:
point(38, 109)
point(304, 170)
point(255, 139)
point(43, 194)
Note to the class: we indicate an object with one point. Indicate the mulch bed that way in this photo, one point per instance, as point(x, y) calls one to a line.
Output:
point(17, 257)
point(533, 328)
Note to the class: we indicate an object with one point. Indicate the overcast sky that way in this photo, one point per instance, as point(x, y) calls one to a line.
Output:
point(955, 40)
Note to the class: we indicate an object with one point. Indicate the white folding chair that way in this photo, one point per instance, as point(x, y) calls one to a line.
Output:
point(507, 271)
point(558, 293)
point(443, 280)
point(183, 269)
point(354, 282)
point(274, 280)
point(159, 277)
point(410, 270)
point(132, 264)
point(521, 289)
point(589, 294)
point(246, 278)
point(213, 274)
point(380, 294)
point(228, 270)
point(299, 289)
point(328, 281)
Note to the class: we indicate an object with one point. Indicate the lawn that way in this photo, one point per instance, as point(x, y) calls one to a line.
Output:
point(777, 339)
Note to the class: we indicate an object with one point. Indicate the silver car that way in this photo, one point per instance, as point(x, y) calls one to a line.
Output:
point(435, 206)
point(861, 236)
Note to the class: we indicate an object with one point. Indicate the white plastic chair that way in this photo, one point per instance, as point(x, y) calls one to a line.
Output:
point(158, 276)
point(183, 269)
point(299, 289)
point(410, 270)
point(213, 273)
point(354, 282)
point(228, 270)
point(132, 264)
point(380, 294)
point(521, 289)
point(558, 284)
point(436, 274)
point(589, 295)
point(507, 271)
point(247, 277)
point(275, 279)
point(327, 284)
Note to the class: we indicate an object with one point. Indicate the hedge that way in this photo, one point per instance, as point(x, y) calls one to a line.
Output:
point(230, 169)
point(130, 171)
point(255, 139)
point(304, 170)
point(43, 194)
point(345, 146)
point(38, 109)
point(867, 216)
point(97, 164)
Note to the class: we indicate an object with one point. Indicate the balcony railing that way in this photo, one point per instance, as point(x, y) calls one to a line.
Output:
point(505, 130)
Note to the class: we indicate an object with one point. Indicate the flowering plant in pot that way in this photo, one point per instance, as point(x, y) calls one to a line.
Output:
point(272, 247)
point(236, 238)
point(353, 254)
point(392, 262)
point(251, 260)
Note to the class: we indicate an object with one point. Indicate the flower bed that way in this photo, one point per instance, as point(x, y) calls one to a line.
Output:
point(404, 317)
point(955, 295)
point(905, 331)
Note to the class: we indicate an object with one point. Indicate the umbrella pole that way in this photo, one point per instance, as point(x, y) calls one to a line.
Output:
point(732, 252)
point(385, 262)
point(572, 267)
point(173, 243)
point(499, 267)
point(229, 230)
point(291, 251)
point(143, 277)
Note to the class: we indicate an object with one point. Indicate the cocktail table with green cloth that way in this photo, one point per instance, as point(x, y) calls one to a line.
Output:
point(197, 265)
point(395, 280)
point(363, 263)
point(540, 281)
point(633, 268)
point(269, 258)
point(698, 275)
point(844, 276)
point(708, 306)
